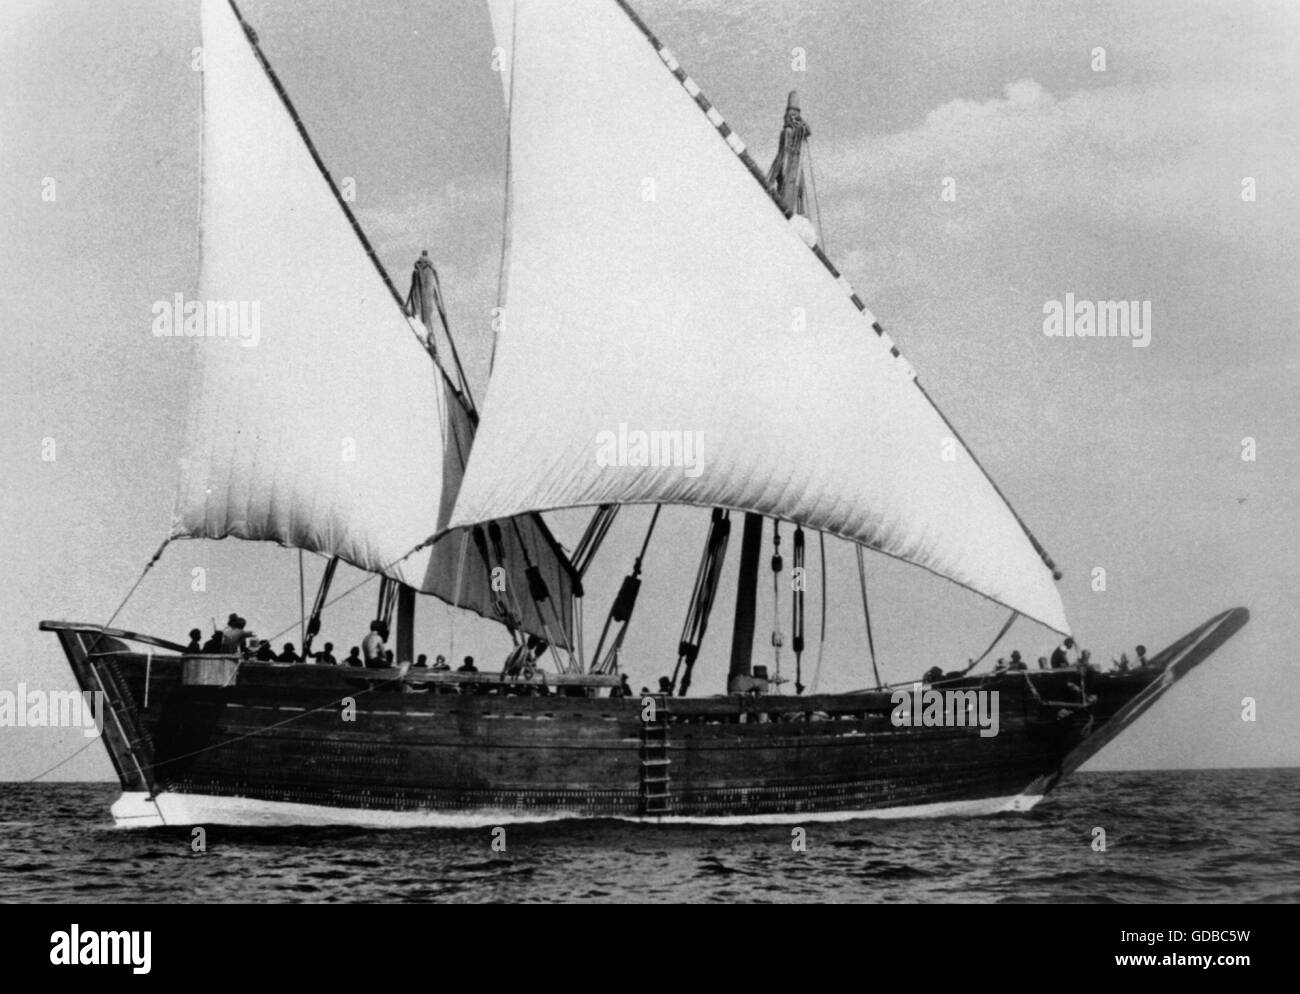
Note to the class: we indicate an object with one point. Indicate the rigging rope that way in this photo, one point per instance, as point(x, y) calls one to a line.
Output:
point(624, 604)
point(302, 604)
point(812, 181)
point(778, 639)
point(375, 684)
point(99, 637)
point(541, 595)
point(796, 608)
point(455, 604)
point(387, 600)
point(65, 759)
point(707, 579)
point(996, 639)
point(313, 622)
point(509, 599)
point(821, 645)
point(866, 613)
point(593, 537)
point(455, 354)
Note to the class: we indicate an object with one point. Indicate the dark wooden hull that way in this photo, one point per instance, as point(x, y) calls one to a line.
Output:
point(284, 735)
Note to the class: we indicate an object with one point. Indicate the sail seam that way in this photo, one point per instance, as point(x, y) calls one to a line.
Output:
point(715, 118)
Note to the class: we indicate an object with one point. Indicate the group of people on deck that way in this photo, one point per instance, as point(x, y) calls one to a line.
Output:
point(1064, 657)
point(237, 639)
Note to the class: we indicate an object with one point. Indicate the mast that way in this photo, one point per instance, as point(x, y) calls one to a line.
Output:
point(423, 301)
point(742, 632)
point(785, 180)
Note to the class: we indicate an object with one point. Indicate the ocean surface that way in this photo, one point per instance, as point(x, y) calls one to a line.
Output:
point(1203, 836)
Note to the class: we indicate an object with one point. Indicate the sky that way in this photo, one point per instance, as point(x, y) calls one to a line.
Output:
point(1122, 183)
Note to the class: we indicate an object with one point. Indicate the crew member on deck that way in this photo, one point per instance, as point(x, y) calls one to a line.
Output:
point(195, 645)
point(354, 658)
point(326, 657)
point(1142, 656)
point(624, 689)
point(1016, 662)
point(422, 661)
point(440, 665)
point(372, 646)
point(287, 655)
point(215, 643)
point(1061, 655)
point(265, 654)
point(236, 634)
point(468, 666)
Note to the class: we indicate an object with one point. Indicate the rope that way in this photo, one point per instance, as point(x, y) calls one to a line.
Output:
point(279, 724)
point(593, 537)
point(66, 759)
point(797, 610)
point(532, 573)
point(140, 579)
point(702, 596)
point(455, 604)
point(455, 355)
point(317, 605)
point(778, 638)
point(302, 604)
point(90, 650)
point(866, 612)
point(498, 547)
point(821, 645)
point(625, 602)
point(996, 639)
point(812, 181)
point(1056, 704)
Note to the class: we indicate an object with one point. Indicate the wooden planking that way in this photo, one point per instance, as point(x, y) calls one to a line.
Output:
point(727, 755)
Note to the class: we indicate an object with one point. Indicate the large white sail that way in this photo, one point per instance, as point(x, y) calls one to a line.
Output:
point(654, 286)
point(323, 424)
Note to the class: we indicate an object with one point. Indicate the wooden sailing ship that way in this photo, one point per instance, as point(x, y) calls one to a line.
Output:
point(403, 476)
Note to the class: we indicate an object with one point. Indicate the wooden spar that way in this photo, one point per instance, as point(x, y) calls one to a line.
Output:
point(302, 606)
point(742, 632)
point(785, 182)
point(405, 624)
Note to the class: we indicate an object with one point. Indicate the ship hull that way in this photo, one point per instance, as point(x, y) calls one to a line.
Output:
point(210, 740)
point(136, 809)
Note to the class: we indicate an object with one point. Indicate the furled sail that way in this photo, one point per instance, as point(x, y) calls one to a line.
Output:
point(672, 339)
point(319, 420)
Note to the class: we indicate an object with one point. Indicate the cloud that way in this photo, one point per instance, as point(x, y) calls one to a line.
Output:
point(1125, 159)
